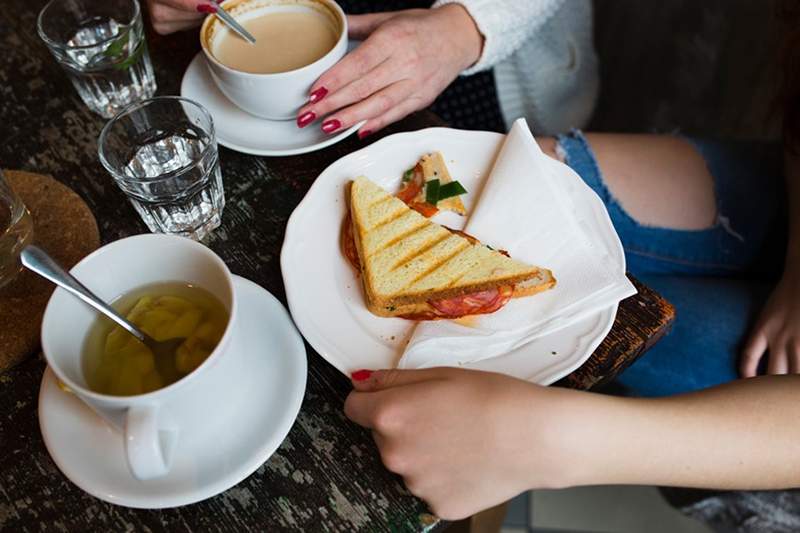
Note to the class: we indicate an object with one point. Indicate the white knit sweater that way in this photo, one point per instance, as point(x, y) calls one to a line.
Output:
point(543, 56)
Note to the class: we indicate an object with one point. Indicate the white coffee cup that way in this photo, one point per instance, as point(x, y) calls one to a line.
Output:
point(275, 96)
point(151, 423)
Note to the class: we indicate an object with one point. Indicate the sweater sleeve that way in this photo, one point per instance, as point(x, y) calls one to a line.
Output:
point(505, 25)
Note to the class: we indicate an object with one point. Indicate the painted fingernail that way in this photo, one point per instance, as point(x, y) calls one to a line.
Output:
point(305, 119)
point(206, 8)
point(329, 126)
point(361, 375)
point(364, 133)
point(317, 95)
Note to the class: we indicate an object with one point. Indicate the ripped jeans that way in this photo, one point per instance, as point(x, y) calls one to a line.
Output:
point(717, 278)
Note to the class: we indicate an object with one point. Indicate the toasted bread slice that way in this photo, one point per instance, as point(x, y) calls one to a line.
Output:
point(408, 260)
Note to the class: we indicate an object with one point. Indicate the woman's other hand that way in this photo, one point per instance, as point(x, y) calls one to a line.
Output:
point(777, 330)
point(407, 59)
point(168, 16)
point(462, 440)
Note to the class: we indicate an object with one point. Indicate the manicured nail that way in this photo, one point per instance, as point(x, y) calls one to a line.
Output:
point(361, 375)
point(364, 133)
point(317, 95)
point(329, 126)
point(306, 118)
point(206, 8)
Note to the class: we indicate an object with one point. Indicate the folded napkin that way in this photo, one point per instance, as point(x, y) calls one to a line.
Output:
point(533, 207)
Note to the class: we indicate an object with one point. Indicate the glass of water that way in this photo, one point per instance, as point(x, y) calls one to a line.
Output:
point(162, 153)
point(16, 231)
point(102, 48)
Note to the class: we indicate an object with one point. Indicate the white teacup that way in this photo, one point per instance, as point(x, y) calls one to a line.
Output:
point(153, 422)
point(280, 95)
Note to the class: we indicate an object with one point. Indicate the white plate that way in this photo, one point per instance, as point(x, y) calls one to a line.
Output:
point(90, 452)
point(325, 296)
point(243, 132)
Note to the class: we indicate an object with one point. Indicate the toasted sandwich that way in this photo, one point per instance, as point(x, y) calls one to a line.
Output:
point(414, 268)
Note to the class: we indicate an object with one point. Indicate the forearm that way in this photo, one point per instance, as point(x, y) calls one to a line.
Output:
point(743, 435)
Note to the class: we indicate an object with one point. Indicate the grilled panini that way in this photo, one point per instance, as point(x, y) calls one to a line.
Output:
point(414, 268)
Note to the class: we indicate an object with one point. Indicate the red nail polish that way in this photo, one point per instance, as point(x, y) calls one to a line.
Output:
point(306, 118)
point(361, 375)
point(206, 8)
point(317, 95)
point(364, 133)
point(329, 126)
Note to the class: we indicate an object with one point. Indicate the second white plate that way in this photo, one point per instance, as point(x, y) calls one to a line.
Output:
point(325, 296)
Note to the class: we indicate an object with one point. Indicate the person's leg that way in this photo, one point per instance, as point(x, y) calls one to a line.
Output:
point(684, 206)
point(643, 170)
point(687, 211)
point(713, 317)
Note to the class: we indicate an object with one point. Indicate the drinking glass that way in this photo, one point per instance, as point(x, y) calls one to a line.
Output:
point(162, 153)
point(101, 46)
point(16, 231)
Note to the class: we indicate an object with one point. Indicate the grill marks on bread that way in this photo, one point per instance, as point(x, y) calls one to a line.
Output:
point(406, 258)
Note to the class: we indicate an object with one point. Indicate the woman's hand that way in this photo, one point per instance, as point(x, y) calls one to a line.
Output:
point(169, 16)
point(777, 330)
point(406, 60)
point(463, 440)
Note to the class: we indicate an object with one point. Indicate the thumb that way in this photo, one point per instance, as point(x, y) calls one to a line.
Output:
point(376, 380)
point(361, 26)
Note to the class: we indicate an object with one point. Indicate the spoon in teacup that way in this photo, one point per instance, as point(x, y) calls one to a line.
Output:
point(37, 260)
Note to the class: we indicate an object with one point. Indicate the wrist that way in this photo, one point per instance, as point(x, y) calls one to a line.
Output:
point(467, 38)
point(591, 435)
point(565, 433)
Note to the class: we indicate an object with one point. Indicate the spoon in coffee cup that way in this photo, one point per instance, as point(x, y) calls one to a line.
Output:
point(37, 260)
point(213, 8)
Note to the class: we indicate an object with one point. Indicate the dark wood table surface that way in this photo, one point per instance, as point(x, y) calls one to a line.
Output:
point(45, 128)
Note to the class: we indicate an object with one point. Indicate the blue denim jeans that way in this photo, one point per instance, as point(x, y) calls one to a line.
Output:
point(717, 278)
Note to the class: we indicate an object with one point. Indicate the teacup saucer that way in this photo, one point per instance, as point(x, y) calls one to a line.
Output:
point(90, 452)
point(243, 132)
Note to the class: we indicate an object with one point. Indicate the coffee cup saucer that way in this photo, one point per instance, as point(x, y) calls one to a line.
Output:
point(238, 440)
point(243, 132)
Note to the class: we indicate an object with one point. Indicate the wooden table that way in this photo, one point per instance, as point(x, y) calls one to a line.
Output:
point(312, 483)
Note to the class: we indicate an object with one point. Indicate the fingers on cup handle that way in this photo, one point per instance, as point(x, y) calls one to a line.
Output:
point(393, 115)
point(380, 109)
point(352, 67)
point(381, 77)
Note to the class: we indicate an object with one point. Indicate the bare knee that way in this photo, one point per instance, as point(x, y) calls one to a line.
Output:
point(659, 180)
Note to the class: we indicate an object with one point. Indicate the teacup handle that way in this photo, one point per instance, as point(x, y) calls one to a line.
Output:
point(148, 448)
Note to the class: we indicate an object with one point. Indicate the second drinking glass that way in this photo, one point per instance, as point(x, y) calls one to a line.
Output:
point(102, 48)
point(162, 153)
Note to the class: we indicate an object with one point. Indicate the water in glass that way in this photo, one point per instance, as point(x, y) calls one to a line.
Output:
point(180, 197)
point(162, 153)
point(105, 57)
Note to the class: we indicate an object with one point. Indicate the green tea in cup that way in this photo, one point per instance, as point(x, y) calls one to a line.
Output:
point(116, 363)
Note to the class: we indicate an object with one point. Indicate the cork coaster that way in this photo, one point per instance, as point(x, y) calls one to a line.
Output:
point(64, 226)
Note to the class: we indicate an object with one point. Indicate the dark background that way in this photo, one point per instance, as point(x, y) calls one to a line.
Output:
point(707, 67)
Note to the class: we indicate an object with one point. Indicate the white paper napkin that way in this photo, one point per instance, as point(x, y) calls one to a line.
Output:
point(532, 207)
